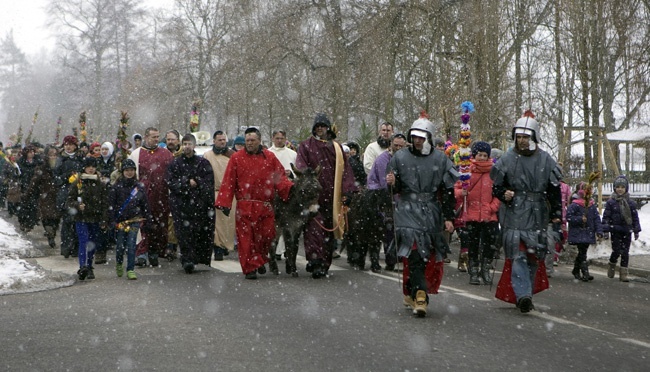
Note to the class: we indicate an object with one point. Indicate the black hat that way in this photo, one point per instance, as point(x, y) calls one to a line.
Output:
point(89, 161)
point(128, 164)
point(481, 146)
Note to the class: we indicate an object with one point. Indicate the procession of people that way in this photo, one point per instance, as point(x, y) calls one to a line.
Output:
point(165, 197)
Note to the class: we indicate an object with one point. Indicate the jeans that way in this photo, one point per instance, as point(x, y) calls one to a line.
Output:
point(524, 268)
point(87, 232)
point(126, 241)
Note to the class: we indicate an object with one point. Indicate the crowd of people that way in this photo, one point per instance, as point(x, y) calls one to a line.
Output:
point(156, 201)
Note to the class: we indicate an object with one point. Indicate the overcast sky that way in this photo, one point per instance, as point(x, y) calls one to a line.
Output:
point(27, 19)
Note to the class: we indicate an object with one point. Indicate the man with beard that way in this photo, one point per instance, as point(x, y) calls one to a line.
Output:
point(172, 141)
point(527, 181)
point(151, 163)
point(337, 180)
point(380, 145)
point(253, 176)
point(224, 231)
point(191, 198)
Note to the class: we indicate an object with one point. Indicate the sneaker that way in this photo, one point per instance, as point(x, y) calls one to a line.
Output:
point(91, 273)
point(420, 308)
point(131, 275)
point(82, 273)
point(251, 275)
point(119, 270)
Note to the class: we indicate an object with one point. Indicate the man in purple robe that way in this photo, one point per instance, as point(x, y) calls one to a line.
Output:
point(322, 231)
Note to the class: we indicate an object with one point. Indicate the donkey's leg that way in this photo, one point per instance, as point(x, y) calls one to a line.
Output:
point(273, 265)
point(291, 245)
point(374, 257)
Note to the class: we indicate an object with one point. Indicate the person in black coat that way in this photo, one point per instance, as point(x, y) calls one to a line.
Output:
point(191, 199)
point(360, 176)
point(27, 213)
point(70, 162)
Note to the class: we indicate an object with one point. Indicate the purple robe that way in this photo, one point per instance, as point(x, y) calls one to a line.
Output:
point(319, 243)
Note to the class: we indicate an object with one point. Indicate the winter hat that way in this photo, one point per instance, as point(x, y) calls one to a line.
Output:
point(89, 161)
point(621, 181)
point(354, 145)
point(320, 119)
point(128, 164)
point(481, 146)
point(136, 136)
point(70, 140)
point(239, 140)
point(580, 190)
point(93, 145)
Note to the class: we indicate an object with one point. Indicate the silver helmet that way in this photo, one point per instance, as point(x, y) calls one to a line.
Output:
point(527, 125)
point(422, 125)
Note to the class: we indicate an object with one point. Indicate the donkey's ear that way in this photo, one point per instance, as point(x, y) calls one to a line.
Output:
point(295, 170)
point(317, 170)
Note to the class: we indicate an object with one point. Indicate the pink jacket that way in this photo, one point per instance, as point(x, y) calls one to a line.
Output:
point(480, 205)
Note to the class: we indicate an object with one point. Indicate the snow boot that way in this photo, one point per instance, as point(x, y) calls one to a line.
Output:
point(100, 258)
point(486, 266)
point(576, 270)
point(623, 271)
point(420, 308)
point(82, 273)
point(473, 273)
point(611, 271)
point(463, 259)
point(409, 302)
point(91, 273)
point(584, 268)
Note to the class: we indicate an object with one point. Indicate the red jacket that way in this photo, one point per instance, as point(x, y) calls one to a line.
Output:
point(480, 205)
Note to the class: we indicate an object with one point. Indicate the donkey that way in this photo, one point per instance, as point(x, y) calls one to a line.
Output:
point(292, 215)
point(369, 211)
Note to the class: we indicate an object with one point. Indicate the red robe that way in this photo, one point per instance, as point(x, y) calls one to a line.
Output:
point(254, 180)
point(152, 165)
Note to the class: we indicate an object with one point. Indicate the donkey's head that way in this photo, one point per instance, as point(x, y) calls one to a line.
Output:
point(306, 188)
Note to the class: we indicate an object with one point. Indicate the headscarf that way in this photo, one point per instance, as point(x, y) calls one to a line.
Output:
point(110, 148)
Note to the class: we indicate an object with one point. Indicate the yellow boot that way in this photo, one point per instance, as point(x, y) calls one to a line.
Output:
point(420, 308)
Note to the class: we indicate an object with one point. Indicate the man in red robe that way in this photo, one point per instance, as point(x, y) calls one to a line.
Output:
point(253, 176)
point(337, 180)
point(151, 164)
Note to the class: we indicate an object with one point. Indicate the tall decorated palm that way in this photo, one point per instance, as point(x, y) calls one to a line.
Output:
point(57, 134)
point(122, 141)
point(82, 127)
point(28, 140)
point(195, 125)
point(464, 161)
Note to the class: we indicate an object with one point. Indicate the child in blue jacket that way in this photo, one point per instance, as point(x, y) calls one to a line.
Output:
point(584, 225)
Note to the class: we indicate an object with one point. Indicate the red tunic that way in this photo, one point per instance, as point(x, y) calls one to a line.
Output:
point(152, 165)
point(254, 180)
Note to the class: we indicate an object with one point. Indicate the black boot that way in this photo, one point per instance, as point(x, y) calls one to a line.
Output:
point(473, 273)
point(585, 272)
point(486, 267)
point(576, 270)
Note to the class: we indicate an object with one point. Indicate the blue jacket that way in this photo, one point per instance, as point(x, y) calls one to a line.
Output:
point(137, 206)
point(614, 222)
point(579, 232)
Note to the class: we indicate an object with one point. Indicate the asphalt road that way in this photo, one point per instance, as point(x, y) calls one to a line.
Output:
point(214, 319)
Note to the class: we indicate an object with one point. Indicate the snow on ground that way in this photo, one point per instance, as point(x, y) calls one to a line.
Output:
point(16, 274)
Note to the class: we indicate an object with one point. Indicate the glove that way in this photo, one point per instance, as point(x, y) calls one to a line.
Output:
point(636, 236)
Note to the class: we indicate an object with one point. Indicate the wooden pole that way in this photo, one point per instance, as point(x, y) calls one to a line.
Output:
point(600, 169)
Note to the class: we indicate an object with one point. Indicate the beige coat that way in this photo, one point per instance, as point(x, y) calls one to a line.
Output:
point(224, 229)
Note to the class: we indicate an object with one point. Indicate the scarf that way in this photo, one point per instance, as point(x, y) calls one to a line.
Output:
point(581, 202)
point(383, 143)
point(219, 150)
point(481, 166)
point(623, 202)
